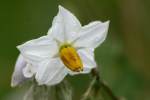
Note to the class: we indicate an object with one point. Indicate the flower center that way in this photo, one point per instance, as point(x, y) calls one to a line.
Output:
point(70, 58)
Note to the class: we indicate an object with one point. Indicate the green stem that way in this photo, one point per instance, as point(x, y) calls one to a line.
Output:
point(88, 91)
point(98, 85)
point(109, 92)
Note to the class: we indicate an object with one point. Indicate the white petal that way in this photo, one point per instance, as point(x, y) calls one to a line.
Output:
point(18, 77)
point(38, 49)
point(51, 72)
point(92, 35)
point(29, 71)
point(88, 60)
point(64, 26)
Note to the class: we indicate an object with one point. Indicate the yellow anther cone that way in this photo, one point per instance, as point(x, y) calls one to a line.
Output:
point(70, 58)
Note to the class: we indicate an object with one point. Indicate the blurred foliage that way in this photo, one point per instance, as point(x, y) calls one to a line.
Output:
point(124, 57)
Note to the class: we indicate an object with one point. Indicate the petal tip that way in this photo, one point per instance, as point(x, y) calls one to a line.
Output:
point(13, 83)
point(63, 10)
point(107, 23)
point(60, 8)
point(19, 47)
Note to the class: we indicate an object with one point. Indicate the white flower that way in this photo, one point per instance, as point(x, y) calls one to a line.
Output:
point(67, 49)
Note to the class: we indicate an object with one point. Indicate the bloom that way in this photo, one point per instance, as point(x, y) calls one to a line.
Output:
point(68, 48)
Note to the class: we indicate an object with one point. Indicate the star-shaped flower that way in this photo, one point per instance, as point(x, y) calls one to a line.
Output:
point(68, 48)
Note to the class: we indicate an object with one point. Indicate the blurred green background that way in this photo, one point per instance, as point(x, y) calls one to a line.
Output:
point(124, 58)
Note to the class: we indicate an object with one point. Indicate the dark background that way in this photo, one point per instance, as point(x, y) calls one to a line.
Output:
point(124, 58)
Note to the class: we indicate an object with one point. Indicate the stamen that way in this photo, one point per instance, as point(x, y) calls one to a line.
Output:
point(70, 58)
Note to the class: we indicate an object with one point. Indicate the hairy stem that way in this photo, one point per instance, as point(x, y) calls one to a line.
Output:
point(109, 92)
point(98, 87)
